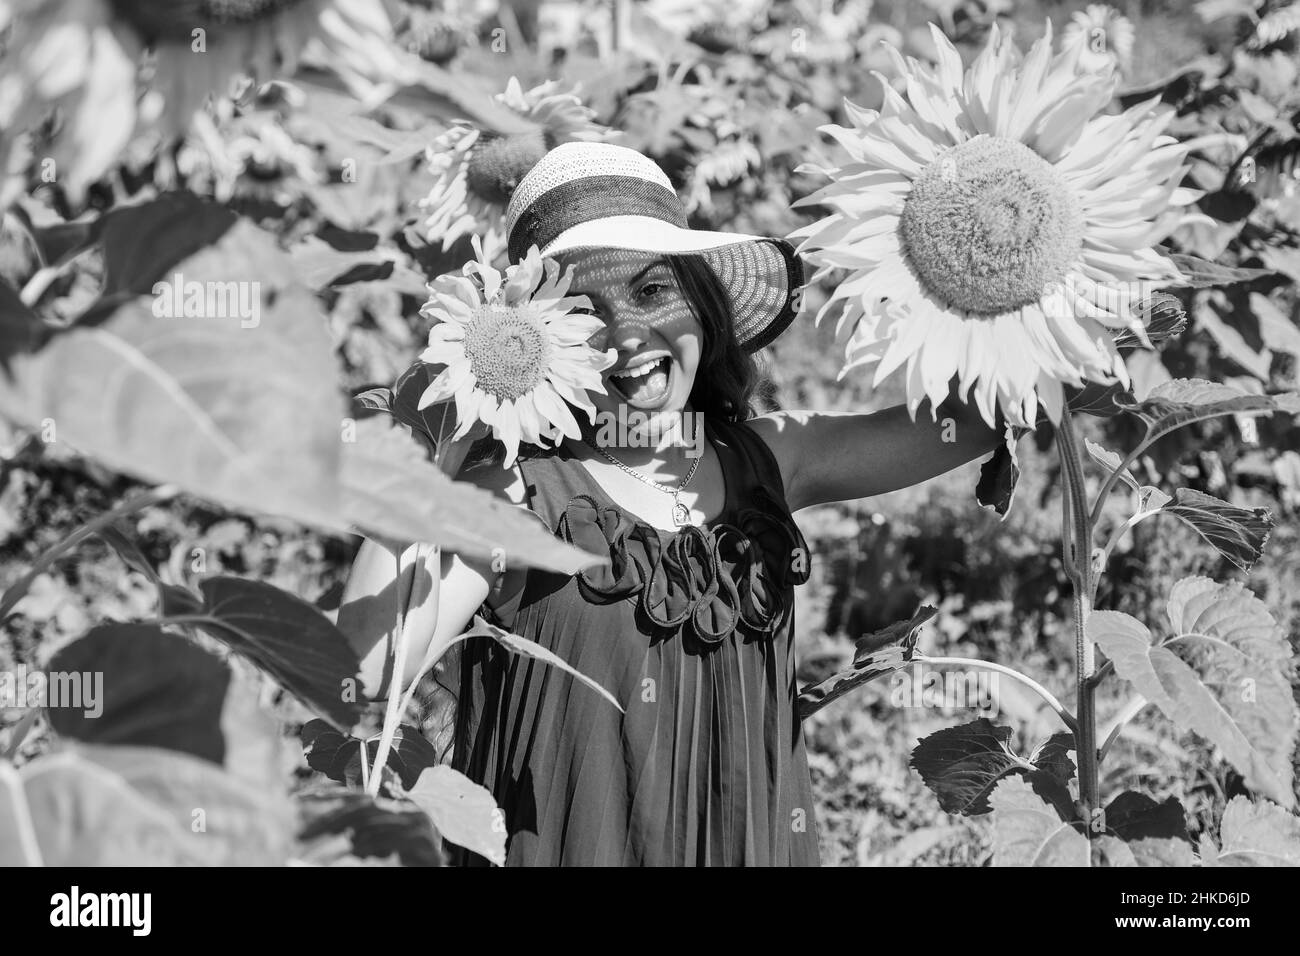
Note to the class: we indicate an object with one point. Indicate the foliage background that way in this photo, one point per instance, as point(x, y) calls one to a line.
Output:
point(729, 105)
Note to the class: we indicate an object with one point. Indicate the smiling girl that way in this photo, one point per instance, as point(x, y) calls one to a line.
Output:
point(690, 626)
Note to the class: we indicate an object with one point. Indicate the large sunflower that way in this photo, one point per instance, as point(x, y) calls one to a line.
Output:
point(92, 58)
point(475, 171)
point(995, 227)
point(514, 350)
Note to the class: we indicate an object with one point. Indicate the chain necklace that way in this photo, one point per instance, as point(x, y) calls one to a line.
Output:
point(681, 514)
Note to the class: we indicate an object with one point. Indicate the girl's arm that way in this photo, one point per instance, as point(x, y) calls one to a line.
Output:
point(839, 456)
point(376, 591)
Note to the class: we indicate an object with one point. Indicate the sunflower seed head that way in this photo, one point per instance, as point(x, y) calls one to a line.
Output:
point(990, 225)
point(508, 350)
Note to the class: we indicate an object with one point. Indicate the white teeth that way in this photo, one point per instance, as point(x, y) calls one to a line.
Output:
point(640, 371)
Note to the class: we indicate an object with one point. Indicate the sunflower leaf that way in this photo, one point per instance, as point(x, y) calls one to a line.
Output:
point(963, 765)
point(1028, 832)
point(877, 655)
point(463, 812)
point(1239, 534)
point(1223, 674)
point(1254, 834)
point(1182, 401)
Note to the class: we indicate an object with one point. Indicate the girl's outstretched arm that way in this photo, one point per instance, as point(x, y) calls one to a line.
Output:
point(839, 456)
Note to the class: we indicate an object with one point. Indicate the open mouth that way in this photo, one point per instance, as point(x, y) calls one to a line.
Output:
point(646, 385)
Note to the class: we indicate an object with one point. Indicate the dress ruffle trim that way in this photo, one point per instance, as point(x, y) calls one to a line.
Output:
point(708, 581)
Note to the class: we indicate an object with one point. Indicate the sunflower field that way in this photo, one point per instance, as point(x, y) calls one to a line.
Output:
point(182, 487)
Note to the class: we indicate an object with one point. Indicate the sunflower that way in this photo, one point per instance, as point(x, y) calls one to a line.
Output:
point(1102, 35)
point(995, 227)
point(514, 350)
point(475, 171)
point(91, 58)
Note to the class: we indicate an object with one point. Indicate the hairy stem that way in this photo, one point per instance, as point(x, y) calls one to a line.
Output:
point(16, 591)
point(1077, 501)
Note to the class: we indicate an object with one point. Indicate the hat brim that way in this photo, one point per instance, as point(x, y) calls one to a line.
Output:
point(763, 276)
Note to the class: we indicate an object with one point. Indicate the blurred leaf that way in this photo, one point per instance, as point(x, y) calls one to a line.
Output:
point(20, 329)
point(1028, 832)
point(1203, 274)
point(1239, 534)
point(1135, 816)
point(963, 764)
point(463, 812)
point(289, 639)
point(374, 828)
point(393, 491)
point(319, 264)
point(878, 654)
point(122, 805)
point(1231, 342)
point(1227, 681)
point(153, 689)
point(1275, 326)
point(241, 413)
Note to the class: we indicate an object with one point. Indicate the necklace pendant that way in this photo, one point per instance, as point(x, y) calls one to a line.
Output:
point(681, 515)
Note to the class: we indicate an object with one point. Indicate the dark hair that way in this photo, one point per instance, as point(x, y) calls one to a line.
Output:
point(727, 378)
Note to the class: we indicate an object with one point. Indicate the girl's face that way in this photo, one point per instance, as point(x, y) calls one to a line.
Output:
point(650, 324)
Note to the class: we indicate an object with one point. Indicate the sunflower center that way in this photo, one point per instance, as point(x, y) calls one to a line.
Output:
point(507, 350)
point(497, 163)
point(989, 225)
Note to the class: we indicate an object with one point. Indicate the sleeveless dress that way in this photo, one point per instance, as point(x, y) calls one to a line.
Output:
point(692, 632)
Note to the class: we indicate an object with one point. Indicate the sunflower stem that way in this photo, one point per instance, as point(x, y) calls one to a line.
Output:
point(1076, 504)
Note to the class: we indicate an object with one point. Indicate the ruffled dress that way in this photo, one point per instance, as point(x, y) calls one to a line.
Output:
point(692, 632)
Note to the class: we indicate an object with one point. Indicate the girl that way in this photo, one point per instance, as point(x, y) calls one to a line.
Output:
point(690, 626)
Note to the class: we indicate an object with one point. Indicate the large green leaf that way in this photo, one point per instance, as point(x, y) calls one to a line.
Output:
point(246, 412)
point(963, 764)
point(877, 655)
point(289, 639)
point(156, 689)
point(92, 805)
point(1162, 851)
point(1223, 674)
point(1028, 832)
point(1254, 834)
point(392, 490)
point(464, 812)
point(243, 411)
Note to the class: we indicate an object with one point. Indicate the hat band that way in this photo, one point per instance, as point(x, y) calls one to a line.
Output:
point(591, 197)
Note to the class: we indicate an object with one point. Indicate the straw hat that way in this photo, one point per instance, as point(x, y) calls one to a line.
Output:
point(582, 195)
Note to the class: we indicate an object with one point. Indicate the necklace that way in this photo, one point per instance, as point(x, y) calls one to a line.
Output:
point(681, 514)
